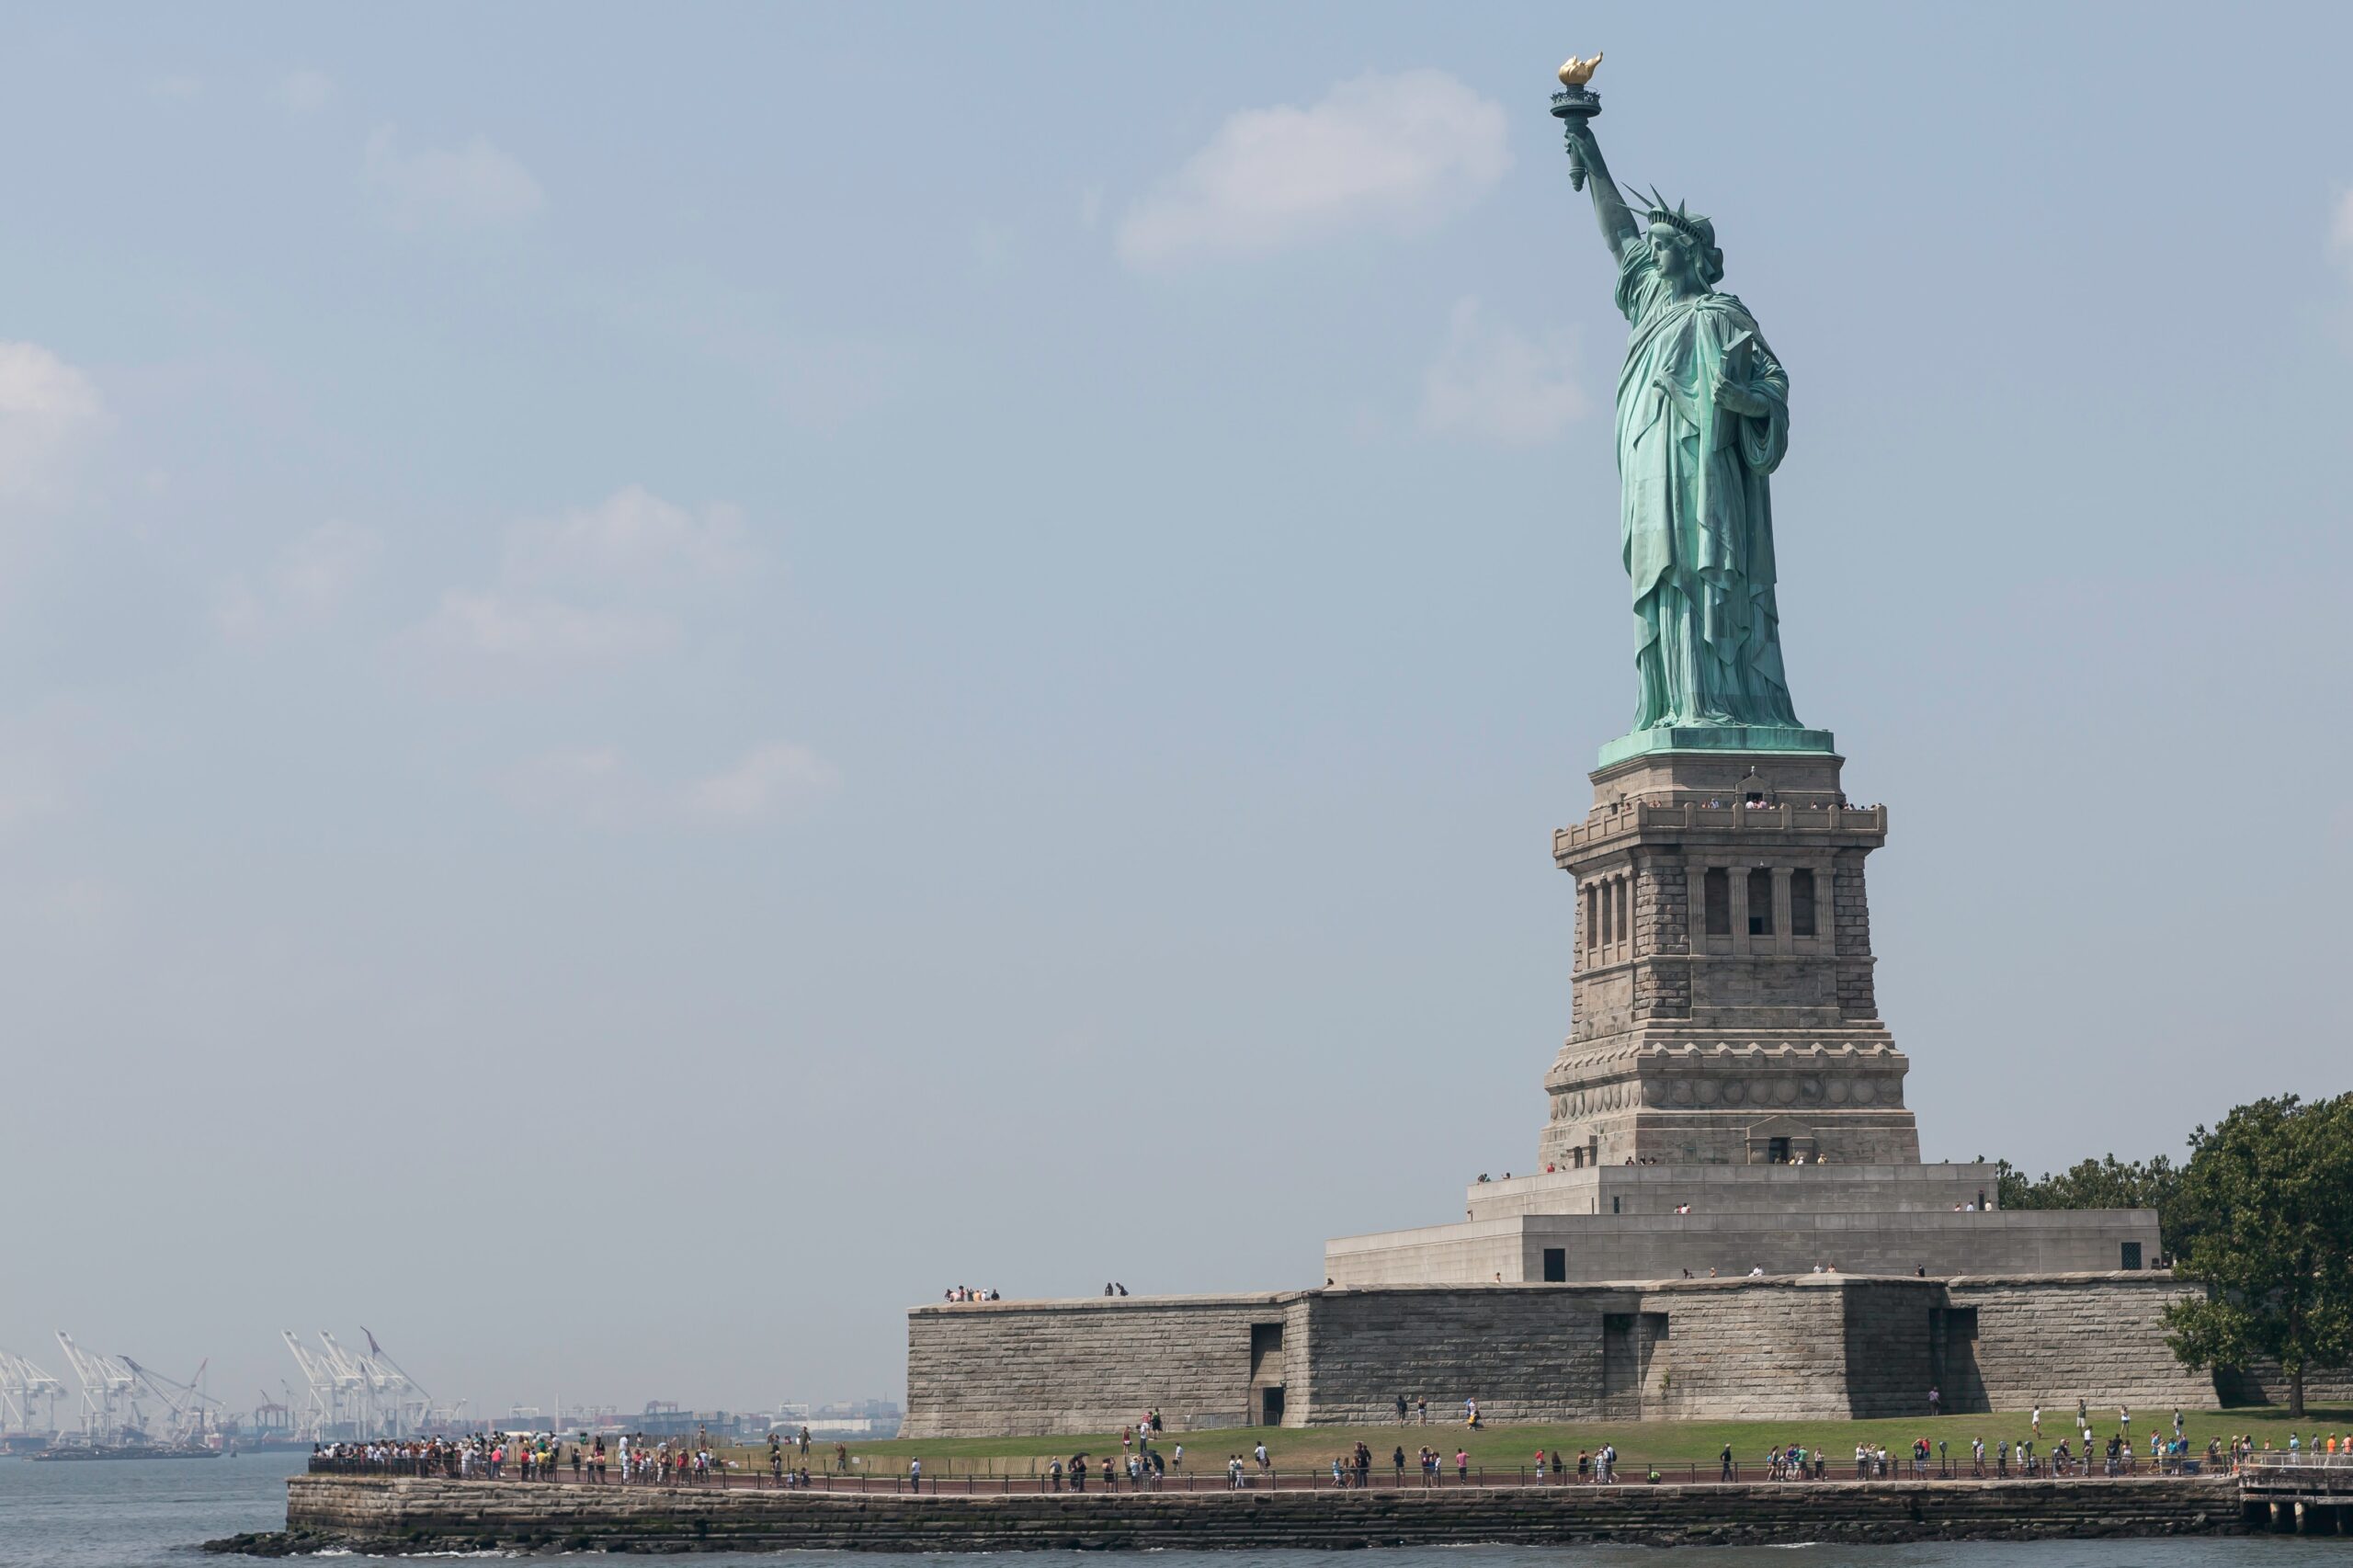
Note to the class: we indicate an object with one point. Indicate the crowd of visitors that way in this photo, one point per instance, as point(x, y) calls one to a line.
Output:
point(531, 1456)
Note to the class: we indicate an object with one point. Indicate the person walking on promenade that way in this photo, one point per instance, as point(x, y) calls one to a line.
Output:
point(914, 1475)
point(1398, 1461)
point(1461, 1464)
point(1724, 1460)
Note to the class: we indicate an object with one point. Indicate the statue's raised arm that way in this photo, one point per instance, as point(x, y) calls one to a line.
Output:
point(1576, 105)
point(1618, 225)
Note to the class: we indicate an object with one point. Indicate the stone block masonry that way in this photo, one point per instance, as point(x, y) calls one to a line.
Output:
point(1804, 1347)
point(407, 1515)
point(2049, 1340)
point(1094, 1364)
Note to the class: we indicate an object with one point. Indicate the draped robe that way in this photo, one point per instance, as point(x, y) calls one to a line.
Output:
point(1696, 510)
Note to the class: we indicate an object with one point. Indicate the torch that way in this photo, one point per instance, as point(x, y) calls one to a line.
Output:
point(1578, 103)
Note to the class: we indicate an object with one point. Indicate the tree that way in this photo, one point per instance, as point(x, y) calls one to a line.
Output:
point(2271, 1195)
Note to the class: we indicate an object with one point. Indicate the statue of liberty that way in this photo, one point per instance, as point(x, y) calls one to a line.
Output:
point(1703, 419)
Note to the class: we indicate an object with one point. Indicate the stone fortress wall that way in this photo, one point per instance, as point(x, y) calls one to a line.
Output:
point(1812, 1347)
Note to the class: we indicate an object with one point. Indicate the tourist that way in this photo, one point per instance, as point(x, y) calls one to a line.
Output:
point(1259, 1453)
point(1054, 1473)
point(1936, 1401)
point(1461, 1464)
point(1233, 1473)
point(2038, 1422)
point(1723, 1460)
point(1400, 1410)
point(914, 1475)
point(1422, 1408)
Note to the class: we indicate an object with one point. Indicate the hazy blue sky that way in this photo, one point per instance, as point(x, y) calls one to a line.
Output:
point(671, 676)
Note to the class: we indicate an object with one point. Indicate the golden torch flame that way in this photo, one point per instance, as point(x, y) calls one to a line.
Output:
point(1577, 72)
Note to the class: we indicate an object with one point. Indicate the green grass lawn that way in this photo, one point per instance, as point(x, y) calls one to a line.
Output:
point(1499, 1447)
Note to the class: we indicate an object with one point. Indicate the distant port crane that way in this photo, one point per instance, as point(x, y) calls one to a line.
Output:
point(23, 1388)
point(353, 1395)
point(109, 1393)
point(196, 1415)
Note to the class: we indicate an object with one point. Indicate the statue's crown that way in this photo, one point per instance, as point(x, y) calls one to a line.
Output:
point(1678, 218)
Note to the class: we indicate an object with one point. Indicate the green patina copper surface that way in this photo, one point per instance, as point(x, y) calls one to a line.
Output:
point(1704, 420)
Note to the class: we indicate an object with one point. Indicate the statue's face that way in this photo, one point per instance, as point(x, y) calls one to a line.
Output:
point(1677, 258)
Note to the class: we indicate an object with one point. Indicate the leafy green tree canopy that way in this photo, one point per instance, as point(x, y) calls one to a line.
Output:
point(2268, 1201)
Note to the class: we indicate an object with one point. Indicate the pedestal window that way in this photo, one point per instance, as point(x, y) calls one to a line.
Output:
point(1801, 916)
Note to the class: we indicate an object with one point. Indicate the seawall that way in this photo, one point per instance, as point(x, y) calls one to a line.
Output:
point(410, 1515)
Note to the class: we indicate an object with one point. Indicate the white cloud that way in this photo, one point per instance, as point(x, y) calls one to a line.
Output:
point(539, 633)
point(307, 586)
point(474, 185)
point(592, 786)
point(320, 568)
point(1387, 154)
point(631, 535)
point(602, 584)
point(1492, 383)
point(50, 414)
point(238, 612)
point(597, 785)
point(305, 91)
point(774, 780)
